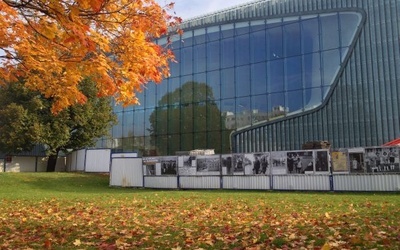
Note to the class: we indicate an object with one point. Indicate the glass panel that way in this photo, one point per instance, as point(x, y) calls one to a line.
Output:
point(187, 40)
point(257, 25)
point(200, 119)
point(199, 58)
point(187, 142)
point(258, 78)
point(138, 120)
point(258, 47)
point(213, 33)
point(160, 121)
point(117, 129)
point(242, 51)
point(213, 116)
point(200, 36)
point(213, 81)
point(310, 35)
point(187, 118)
point(173, 91)
point(227, 83)
point(149, 120)
point(227, 53)
point(329, 31)
point(174, 67)
point(150, 95)
point(242, 82)
point(186, 92)
point(200, 140)
point(293, 73)
point(260, 103)
point(128, 124)
point(277, 103)
point(292, 39)
point(187, 61)
point(243, 112)
point(173, 119)
point(242, 28)
point(348, 26)
point(213, 55)
point(294, 101)
point(312, 70)
point(174, 144)
point(227, 30)
point(275, 77)
point(274, 43)
point(313, 98)
point(331, 64)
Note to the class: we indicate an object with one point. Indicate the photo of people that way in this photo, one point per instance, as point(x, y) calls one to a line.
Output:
point(261, 163)
point(278, 162)
point(321, 161)
point(240, 161)
point(356, 161)
point(226, 163)
point(382, 160)
point(209, 163)
point(168, 166)
point(300, 162)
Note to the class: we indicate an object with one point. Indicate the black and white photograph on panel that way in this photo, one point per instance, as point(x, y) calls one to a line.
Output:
point(261, 163)
point(356, 160)
point(321, 161)
point(278, 162)
point(240, 162)
point(187, 165)
point(149, 165)
point(382, 160)
point(169, 165)
point(339, 160)
point(300, 162)
point(227, 164)
point(208, 164)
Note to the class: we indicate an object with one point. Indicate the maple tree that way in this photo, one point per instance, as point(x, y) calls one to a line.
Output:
point(54, 45)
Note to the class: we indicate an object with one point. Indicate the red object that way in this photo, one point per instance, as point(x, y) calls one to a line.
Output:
point(395, 142)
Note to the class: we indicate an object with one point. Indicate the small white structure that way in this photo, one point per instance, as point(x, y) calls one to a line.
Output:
point(126, 170)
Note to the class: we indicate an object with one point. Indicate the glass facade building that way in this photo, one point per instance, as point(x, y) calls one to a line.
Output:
point(272, 75)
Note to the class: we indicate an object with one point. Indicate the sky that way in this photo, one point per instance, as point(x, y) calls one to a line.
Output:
point(193, 8)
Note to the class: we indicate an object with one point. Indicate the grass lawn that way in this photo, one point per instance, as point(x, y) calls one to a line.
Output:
point(81, 211)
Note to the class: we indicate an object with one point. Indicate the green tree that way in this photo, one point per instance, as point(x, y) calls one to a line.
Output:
point(188, 118)
point(26, 120)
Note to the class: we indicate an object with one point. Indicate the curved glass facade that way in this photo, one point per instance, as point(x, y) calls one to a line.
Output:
point(239, 74)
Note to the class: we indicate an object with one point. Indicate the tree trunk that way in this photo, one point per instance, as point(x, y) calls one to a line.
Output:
point(52, 162)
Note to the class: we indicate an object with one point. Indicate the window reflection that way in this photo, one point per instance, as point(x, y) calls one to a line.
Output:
point(235, 75)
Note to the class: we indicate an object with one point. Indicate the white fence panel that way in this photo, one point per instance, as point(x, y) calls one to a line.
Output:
point(98, 160)
point(80, 160)
point(261, 182)
point(170, 182)
point(71, 161)
point(366, 182)
point(126, 172)
point(301, 182)
point(21, 164)
point(200, 182)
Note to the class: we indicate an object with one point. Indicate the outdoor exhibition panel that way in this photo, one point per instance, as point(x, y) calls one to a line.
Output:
point(367, 182)
point(199, 182)
point(98, 160)
point(167, 182)
point(301, 182)
point(261, 182)
point(126, 172)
